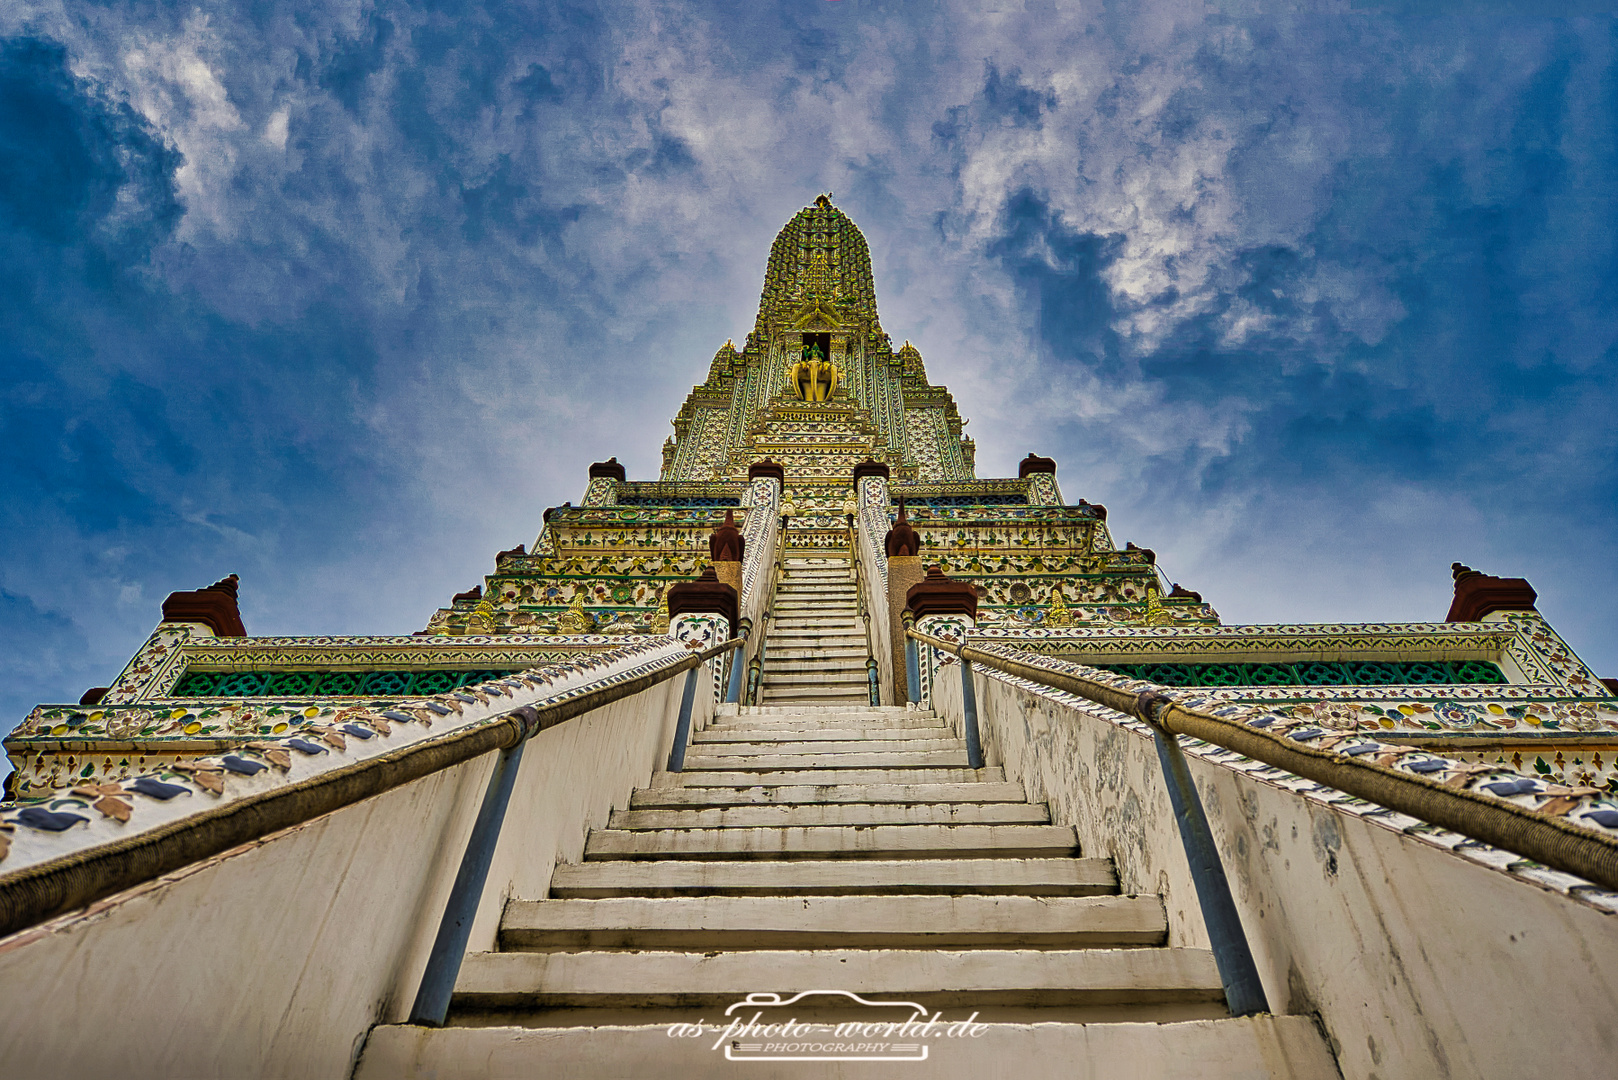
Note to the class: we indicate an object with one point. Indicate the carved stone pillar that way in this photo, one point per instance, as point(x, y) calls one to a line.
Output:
point(725, 549)
point(904, 571)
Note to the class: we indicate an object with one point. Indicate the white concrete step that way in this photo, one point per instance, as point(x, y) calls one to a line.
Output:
point(948, 794)
point(808, 680)
point(698, 758)
point(865, 714)
point(901, 712)
point(758, 729)
point(852, 653)
point(1249, 1048)
point(818, 693)
point(789, 645)
point(932, 977)
point(841, 922)
point(838, 842)
point(726, 748)
point(819, 628)
point(841, 695)
point(840, 877)
point(789, 815)
point(730, 778)
point(817, 735)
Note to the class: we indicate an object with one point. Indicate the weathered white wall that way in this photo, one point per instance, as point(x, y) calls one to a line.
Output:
point(275, 959)
point(1420, 963)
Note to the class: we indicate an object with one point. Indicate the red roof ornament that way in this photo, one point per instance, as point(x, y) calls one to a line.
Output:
point(1478, 594)
point(213, 606)
point(902, 539)
point(726, 543)
point(936, 594)
point(1033, 463)
point(705, 596)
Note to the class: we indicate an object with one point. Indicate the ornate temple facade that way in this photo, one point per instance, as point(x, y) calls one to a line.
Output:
point(818, 506)
point(816, 395)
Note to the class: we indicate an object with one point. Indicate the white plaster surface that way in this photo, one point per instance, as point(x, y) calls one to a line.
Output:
point(1419, 961)
point(275, 959)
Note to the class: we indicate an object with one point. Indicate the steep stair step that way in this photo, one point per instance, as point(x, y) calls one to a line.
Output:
point(802, 815)
point(885, 733)
point(841, 693)
point(699, 778)
point(810, 673)
point(897, 712)
point(715, 748)
point(826, 877)
point(852, 653)
point(825, 794)
point(891, 759)
point(842, 922)
point(838, 842)
point(937, 978)
point(1245, 1048)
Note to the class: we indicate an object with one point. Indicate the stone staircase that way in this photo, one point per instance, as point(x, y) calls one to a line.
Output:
point(816, 647)
point(839, 849)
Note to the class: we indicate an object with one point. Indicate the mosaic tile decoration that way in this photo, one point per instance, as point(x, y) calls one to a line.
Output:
point(1584, 805)
point(1314, 673)
point(308, 743)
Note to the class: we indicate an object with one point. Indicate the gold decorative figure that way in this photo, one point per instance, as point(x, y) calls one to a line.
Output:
point(814, 378)
point(575, 620)
point(1058, 614)
point(481, 621)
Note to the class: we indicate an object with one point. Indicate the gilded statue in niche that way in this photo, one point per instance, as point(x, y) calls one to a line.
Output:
point(814, 378)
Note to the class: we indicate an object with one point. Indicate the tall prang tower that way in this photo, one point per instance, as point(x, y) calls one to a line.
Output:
point(819, 300)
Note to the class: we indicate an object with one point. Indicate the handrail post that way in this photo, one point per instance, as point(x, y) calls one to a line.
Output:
point(455, 929)
point(969, 699)
point(871, 675)
point(912, 661)
point(733, 693)
point(1244, 991)
point(682, 729)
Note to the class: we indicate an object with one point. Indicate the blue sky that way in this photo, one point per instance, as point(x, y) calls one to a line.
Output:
point(340, 296)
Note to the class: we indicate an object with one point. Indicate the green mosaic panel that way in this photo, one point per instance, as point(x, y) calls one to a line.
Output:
point(1314, 673)
point(374, 684)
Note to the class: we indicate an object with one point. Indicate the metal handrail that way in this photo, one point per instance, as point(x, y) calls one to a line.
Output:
point(733, 691)
point(34, 893)
point(455, 928)
point(755, 667)
point(1238, 974)
point(1554, 842)
point(860, 608)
